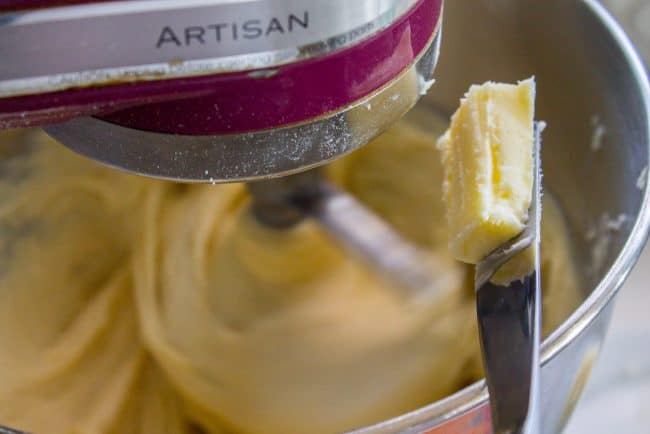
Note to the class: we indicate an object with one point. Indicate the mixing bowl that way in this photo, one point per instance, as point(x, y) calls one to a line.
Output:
point(593, 92)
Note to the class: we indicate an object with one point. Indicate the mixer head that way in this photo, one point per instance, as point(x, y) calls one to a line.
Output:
point(215, 90)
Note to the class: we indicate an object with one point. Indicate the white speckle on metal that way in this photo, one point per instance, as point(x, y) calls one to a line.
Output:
point(616, 224)
point(424, 85)
point(600, 235)
point(597, 134)
point(642, 180)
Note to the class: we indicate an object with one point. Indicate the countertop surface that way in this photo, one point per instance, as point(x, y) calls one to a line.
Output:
point(617, 397)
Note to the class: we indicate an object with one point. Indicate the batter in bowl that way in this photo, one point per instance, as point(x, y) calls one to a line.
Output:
point(130, 305)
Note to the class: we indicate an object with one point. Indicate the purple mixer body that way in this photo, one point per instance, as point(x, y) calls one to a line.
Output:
point(240, 101)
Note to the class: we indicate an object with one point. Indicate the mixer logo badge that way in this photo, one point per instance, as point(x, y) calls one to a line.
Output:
point(233, 31)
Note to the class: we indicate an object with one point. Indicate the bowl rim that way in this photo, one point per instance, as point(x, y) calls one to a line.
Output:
point(476, 394)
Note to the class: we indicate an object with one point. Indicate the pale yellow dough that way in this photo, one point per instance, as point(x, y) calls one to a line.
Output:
point(129, 305)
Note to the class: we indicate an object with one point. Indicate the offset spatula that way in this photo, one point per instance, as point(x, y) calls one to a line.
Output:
point(509, 325)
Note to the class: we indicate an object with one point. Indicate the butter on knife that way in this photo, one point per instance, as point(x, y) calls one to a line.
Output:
point(487, 156)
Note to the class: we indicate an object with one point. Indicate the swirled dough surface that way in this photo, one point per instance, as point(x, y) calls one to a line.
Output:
point(130, 305)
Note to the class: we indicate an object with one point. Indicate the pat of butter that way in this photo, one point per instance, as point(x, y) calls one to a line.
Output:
point(487, 155)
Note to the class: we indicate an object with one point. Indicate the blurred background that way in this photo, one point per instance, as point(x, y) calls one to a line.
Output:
point(617, 395)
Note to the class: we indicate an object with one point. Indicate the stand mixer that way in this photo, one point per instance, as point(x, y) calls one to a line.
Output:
point(225, 91)
point(256, 91)
point(215, 91)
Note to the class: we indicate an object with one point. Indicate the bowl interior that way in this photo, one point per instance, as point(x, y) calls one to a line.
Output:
point(593, 93)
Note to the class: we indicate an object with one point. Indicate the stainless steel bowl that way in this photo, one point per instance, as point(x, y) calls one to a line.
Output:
point(594, 94)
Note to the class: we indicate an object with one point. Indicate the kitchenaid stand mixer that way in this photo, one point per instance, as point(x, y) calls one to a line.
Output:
point(215, 91)
point(227, 91)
